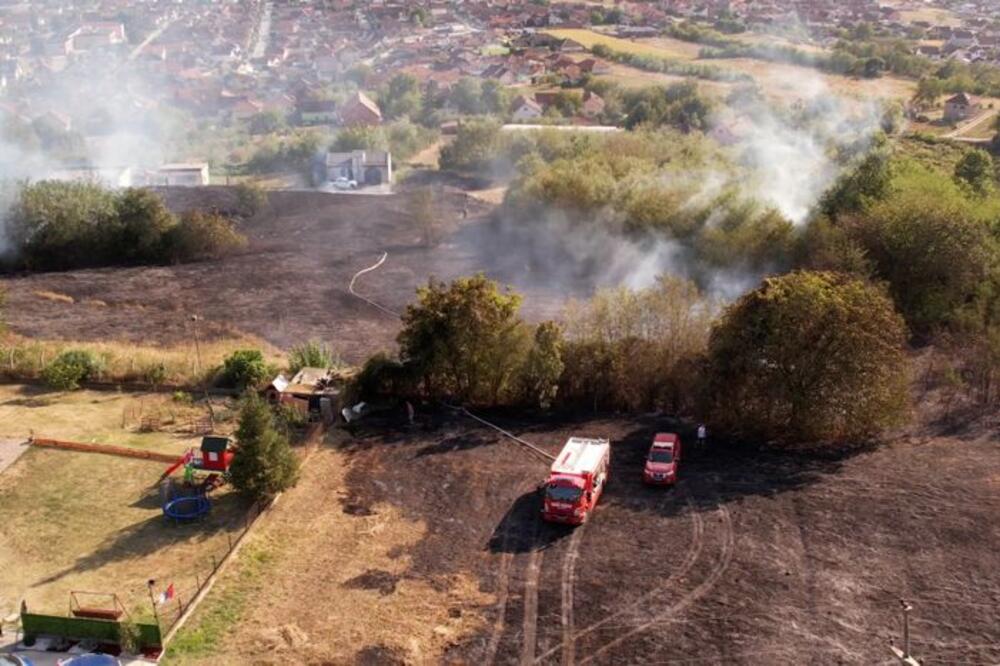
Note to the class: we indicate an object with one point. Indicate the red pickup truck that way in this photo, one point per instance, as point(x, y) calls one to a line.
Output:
point(663, 460)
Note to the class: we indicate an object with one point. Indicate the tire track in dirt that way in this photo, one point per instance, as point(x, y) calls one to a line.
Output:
point(690, 557)
point(534, 569)
point(503, 591)
point(725, 557)
point(503, 585)
point(568, 583)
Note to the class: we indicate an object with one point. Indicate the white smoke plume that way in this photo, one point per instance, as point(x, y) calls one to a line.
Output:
point(791, 154)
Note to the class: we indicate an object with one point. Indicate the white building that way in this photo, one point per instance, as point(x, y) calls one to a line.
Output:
point(192, 174)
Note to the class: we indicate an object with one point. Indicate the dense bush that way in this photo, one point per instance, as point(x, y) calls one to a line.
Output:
point(244, 368)
point(635, 350)
point(70, 369)
point(402, 138)
point(475, 147)
point(199, 236)
point(295, 152)
point(808, 356)
point(57, 226)
point(251, 197)
point(662, 64)
point(312, 354)
point(930, 242)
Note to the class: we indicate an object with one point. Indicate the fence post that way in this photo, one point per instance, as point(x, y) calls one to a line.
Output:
point(229, 537)
point(215, 566)
point(197, 579)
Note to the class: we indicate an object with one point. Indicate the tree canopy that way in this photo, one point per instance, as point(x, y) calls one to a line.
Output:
point(808, 356)
point(264, 464)
point(465, 339)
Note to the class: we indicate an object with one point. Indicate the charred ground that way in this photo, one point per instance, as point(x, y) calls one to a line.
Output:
point(755, 556)
point(289, 286)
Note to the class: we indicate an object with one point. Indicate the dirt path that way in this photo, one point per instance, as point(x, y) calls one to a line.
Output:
point(10, 450)
point(568, 583)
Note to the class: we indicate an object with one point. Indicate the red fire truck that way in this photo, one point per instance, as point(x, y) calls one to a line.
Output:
point(577, 480)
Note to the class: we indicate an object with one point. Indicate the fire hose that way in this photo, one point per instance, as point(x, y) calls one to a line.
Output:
point(350, 287)
point(528, 445)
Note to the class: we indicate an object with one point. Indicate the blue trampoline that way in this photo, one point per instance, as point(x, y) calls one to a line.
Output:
point(187, 508)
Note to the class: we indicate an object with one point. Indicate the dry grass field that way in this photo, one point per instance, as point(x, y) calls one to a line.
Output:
point(780, 81)
point(85, 521)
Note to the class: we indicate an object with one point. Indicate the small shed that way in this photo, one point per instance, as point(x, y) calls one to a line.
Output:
point(215, 454)
point(314, 392)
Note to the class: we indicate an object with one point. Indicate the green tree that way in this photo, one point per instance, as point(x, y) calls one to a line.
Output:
point(467, 96)
point(54, 225)
point(464, 339)
point(929, 243)
point(867, 180)
point(873, 67)
point(264, 464)
point(475, 147)
point(495, 97)
point(544, 365)
point(135, 235)
point(359, 137)
point(266, 122)
point(808, 356)
point(244, 368)
point(401, 97)
point(975, 170)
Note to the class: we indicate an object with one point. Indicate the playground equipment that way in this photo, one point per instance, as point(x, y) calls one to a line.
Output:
point(184, 509)
point(112, 611)
point(214, 455)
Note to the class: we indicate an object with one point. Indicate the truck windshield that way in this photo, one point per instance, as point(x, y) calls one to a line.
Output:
point(563, 493)
point(661, 456)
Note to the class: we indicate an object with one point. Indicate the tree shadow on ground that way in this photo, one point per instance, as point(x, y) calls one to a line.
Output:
point(157, 532)
point(720, 472)
point(711, 475)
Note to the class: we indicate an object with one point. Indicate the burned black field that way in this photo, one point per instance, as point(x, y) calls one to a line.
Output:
point(754, 557)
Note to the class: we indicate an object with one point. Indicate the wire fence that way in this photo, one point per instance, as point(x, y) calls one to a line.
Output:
point(187, 587)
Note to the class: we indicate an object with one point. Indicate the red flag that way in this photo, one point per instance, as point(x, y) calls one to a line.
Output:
point(166, 595)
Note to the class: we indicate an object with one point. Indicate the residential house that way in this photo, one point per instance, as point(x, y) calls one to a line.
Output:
point(366, 167)
point(592, 106)
point(317, 112)
point(360, 110)
point(961, 107)
point(526, 108)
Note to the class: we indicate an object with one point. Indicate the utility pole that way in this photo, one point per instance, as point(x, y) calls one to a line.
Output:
point(198, 369)
point(904, 655)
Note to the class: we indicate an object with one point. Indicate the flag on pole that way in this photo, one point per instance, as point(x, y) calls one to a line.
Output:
point(166, 595)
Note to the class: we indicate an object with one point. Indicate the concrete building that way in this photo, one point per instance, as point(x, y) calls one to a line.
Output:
point(193, 174)
point(367, 167)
